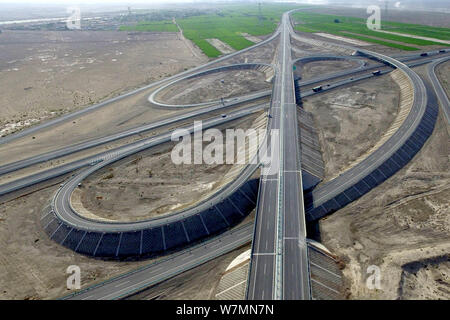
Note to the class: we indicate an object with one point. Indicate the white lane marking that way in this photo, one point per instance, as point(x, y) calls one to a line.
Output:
point(121, 284)
point(148, 281)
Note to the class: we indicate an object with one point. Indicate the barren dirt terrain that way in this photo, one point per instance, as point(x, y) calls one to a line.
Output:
point(38, 147)
point(149, 184)
point(34, 267)
point(264, 54)
point(352, 119)
point(428, 279)
point(319, 68)
point(215, 86)
point(402, 221)
point(45, 74)
point(128, 113)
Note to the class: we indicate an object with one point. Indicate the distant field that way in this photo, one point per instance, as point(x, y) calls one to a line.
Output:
point(229, 22)
point(226, 24)
point(162, 26)
point(417, 30)
point(356, 28)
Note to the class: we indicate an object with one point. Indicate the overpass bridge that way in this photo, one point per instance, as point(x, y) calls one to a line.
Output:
point(279, 265)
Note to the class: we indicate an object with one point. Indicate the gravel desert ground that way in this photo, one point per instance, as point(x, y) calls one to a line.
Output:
point(400, 224)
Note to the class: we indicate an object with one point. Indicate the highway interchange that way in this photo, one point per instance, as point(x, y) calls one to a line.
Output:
point(279, 265)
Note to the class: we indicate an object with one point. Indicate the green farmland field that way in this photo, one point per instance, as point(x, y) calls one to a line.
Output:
point(162, 26)
point(356, 28)
point(417, 30)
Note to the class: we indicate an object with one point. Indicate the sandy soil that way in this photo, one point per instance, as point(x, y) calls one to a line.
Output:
point(436, 19)
point(372, 46)
point(319, 68)
point(46, 74)
point(404, 220)
point(429, 279)
point(352, 119)
point(128, 113)
point(105, 147)
point(263, 54)
point(149, 184)
point(34, 267)
point(215, 86)
point(301, 49)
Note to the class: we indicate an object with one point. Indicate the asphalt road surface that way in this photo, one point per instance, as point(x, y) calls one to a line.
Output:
point(279, 267)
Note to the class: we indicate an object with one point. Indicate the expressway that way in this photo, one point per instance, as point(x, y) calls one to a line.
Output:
point(67, 168)
point(76, 114)
point(234, 102)
point(370, 165)
point(94, 159)
point(115, 291)
point(113, 239)
point(279, 268)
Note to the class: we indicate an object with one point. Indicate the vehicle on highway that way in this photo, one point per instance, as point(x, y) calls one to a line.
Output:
point(317, 89)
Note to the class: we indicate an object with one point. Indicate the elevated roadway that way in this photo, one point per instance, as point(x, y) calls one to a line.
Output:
point(279, 263)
